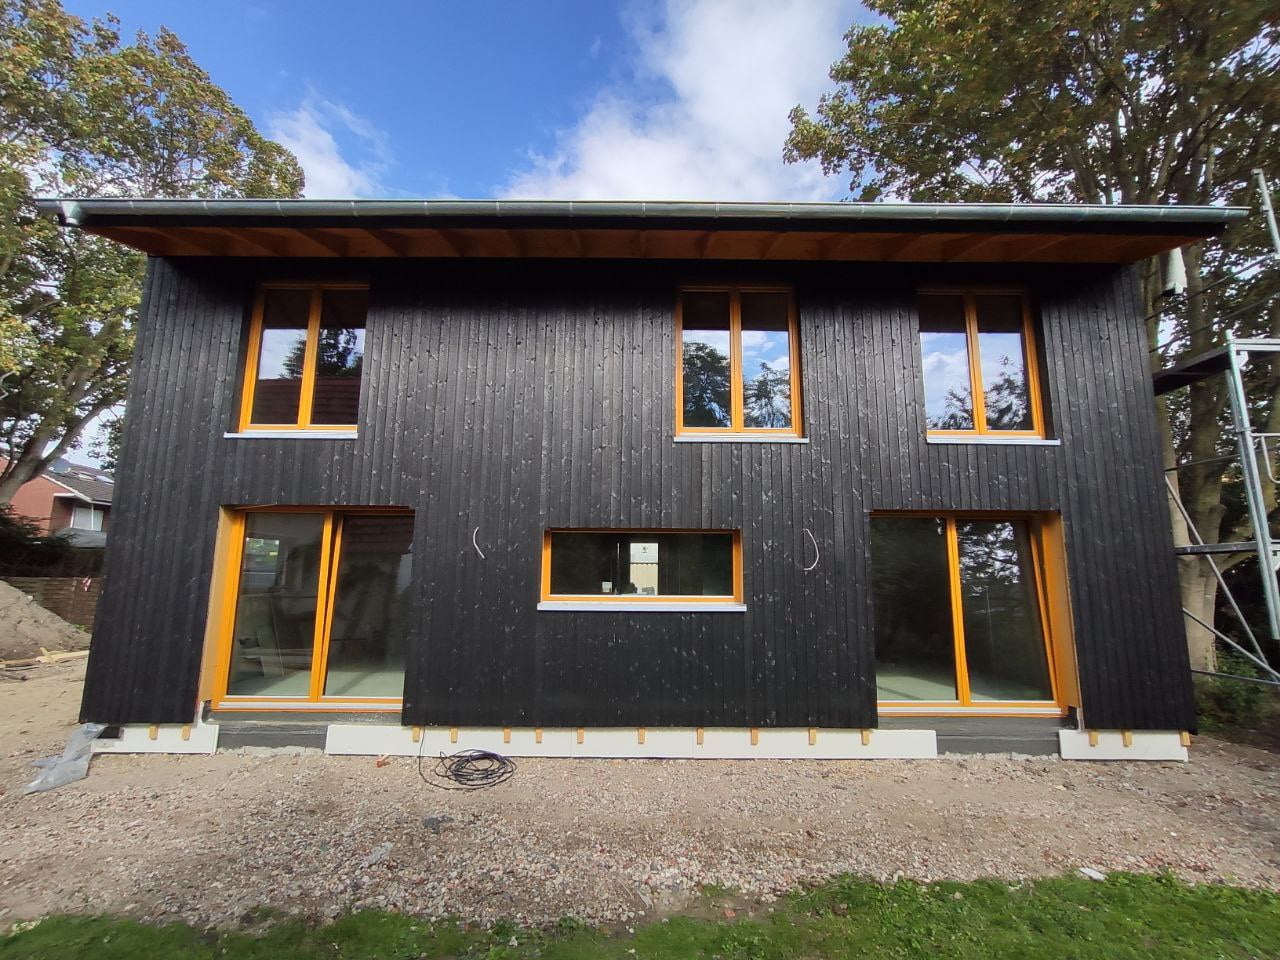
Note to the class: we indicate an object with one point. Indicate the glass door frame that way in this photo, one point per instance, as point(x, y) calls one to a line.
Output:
point(330, 556)
point(964, 704)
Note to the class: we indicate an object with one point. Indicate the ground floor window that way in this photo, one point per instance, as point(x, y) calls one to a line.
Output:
point(640, 565)
point(960, 613)
point(321, 607)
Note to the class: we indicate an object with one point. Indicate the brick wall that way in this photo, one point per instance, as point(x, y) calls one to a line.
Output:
point(65, 596)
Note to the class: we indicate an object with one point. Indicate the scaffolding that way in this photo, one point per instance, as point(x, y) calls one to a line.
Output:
point(1255, 451)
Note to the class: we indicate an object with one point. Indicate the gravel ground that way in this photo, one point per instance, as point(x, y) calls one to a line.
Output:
point(208, 839)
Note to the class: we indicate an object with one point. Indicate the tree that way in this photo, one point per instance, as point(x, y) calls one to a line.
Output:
point(767, 402)
point(1095, 101)
point(706, 386)
point(84, 113)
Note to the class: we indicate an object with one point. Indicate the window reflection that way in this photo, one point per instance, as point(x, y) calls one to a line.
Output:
point(766, 360)
point(914, 585)
point(944, 343)
point(641, 564)
point(706, 353)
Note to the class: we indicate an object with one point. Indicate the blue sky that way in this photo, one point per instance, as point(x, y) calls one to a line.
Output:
point(567, 98)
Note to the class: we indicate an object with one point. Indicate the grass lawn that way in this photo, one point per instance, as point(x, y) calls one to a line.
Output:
point(1068, 917)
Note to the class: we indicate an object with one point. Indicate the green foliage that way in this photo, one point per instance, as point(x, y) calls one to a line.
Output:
point(1227, 706)
point(24, 550)
point(86, 113)
point(1093, 101)
point(1124, 918)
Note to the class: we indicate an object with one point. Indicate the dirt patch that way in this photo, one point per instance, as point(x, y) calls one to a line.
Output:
point(208, 838)
point(25, 627)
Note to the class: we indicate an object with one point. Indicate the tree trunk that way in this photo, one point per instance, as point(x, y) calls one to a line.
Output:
point(1197, 586)
point(1199, 589)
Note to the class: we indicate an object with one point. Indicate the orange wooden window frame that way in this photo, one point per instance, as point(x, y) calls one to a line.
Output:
point(547, 595)
point(1041, 571)
point(254, 354)
point(1031, 358)
point(330, 555)
point(737, 389)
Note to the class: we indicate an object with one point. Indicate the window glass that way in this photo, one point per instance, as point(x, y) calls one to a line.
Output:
point(281, 358)
point(766, 360)
point(340, 356)
point(705, 353)
point(641, 564)
point(1003, 636)
point(86, 518)
point(911, 587)
point(369, 633)
point(944, 345)
point(274, 632)
point(1005, 387)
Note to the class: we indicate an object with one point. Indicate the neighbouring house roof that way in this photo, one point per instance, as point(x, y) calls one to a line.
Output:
point(84, 483)
point(962, 232)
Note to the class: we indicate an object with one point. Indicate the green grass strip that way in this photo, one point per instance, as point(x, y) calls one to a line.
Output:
point(1127, 916)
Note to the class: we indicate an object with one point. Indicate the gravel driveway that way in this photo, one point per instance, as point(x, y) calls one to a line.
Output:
point(209, 838)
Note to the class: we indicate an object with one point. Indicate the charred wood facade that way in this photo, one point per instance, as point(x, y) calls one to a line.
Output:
point(504, 398)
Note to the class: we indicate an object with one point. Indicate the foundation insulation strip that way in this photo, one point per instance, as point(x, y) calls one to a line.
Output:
point(676, 743)
point(194, 737)
point(1121, 745)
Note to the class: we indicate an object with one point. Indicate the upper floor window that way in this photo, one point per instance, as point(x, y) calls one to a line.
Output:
point(738, 370)
point(980, 370)
point(306, 350)
point(87, 518)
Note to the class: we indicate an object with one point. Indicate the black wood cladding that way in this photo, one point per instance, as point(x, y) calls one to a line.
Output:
point(516, 396)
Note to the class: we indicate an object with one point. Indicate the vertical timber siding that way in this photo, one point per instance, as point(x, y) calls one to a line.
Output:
point(503, 398)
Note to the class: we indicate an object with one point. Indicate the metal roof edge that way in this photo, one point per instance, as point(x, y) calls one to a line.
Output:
point(72, 211)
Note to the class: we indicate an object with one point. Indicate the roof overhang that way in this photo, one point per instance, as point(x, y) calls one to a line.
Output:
point(878, 232)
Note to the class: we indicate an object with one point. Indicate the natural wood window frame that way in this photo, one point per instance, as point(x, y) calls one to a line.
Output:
point(628, 598)
point(972, 345)
point(736, 388)
point(1051, 602)
point(227, 587)
point(309, 363)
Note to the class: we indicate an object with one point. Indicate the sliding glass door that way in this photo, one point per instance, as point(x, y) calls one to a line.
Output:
point(320, 608)
point(959, 612)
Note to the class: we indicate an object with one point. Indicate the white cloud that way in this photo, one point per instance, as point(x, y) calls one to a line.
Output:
point(727, 72)
point(342, 154)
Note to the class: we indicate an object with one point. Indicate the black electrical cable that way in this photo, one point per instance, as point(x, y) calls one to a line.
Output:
point(468, 770)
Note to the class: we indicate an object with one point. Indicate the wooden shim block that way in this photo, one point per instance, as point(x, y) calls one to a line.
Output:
point(1184, 738)
point(506, 734)
point(1093, 738)
point(813, 736)
point(640, 735)
point(700, 732)
point(1126, 737)
point(186, 731)
point(537, 734)
point(866, 737)
point(581, 734)
point(417, 734)
point(153, 731)
point(755, 736)
point(453, 734)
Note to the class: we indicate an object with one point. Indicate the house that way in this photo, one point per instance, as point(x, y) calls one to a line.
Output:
point(71, 499)
point(642, 479)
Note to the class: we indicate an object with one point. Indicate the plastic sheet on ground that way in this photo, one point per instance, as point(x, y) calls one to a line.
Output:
point(73, 765)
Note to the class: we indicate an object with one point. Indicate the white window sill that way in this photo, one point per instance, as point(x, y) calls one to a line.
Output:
point(291, 435)
point(737, 438)
point(623, 606)
point(998, 441)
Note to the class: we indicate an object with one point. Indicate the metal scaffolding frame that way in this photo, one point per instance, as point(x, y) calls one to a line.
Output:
point(1256, 457)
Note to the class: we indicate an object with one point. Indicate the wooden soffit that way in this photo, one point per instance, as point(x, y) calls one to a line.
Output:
point(473, 242)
